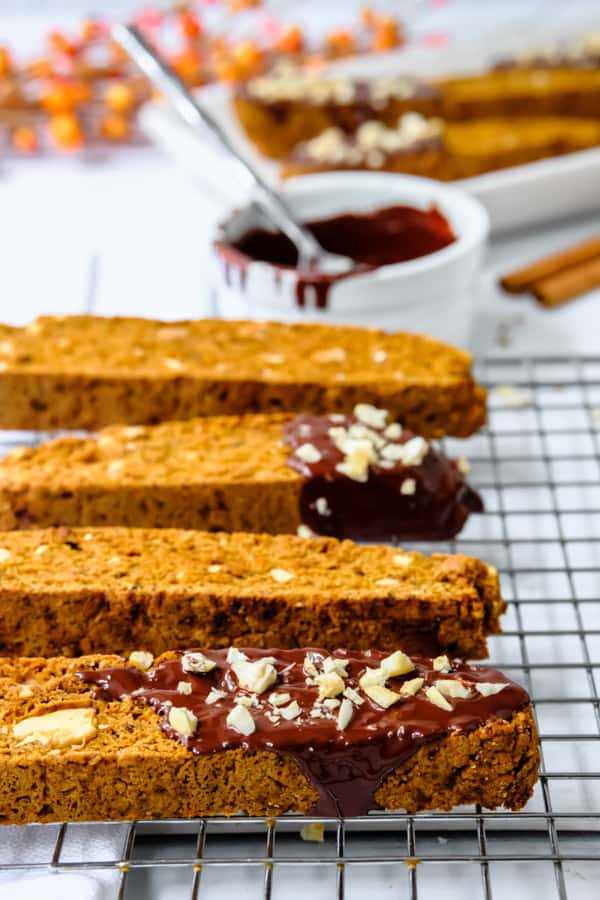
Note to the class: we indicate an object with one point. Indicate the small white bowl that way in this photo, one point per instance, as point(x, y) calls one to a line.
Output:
point(430, 295)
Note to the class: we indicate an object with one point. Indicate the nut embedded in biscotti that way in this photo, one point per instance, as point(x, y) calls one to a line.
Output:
point(61, 728)
point(330, 684)
point(438, 699)
point(281, 575)
point(256, 676)
point(397, 663)
point(381, 695)
point(241, 721)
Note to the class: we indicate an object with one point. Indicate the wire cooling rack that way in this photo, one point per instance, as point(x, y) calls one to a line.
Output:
point(537, 465)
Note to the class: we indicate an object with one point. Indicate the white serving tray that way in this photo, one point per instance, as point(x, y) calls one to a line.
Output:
point(548, 190)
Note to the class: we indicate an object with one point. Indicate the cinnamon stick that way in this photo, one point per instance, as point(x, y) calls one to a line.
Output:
point(525, 278)
point(568, 284)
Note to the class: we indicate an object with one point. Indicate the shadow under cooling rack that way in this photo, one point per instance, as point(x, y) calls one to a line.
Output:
point(537, 465)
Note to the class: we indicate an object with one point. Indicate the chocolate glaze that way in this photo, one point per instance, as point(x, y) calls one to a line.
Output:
point(384, 237)
point(376, 510)
point(346, 767)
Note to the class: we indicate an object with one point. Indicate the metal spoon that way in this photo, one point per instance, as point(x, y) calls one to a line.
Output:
point(310, 253)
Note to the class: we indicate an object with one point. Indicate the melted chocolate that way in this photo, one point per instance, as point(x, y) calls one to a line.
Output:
point(376, 510)
point(346, 767)
point(384, 237)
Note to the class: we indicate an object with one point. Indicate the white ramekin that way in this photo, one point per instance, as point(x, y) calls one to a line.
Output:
point(430, 295)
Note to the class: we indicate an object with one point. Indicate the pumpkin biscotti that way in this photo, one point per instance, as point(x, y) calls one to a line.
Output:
point(72, 591)
point(347, 476)
point(208, 732)
point(84, 372)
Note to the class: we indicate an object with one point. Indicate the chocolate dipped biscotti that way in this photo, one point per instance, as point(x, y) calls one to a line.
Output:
point(84, 372)
point(72, 591)
point(443, 150)
point(347, 476)
point(209, 732)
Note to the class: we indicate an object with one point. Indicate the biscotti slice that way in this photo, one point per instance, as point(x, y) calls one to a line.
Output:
point(85, 372)
point(208, 732)
point(444, 150)
point(343, 476)
point(72, 591)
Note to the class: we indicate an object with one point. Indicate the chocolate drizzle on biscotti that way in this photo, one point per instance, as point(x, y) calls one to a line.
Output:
point(370, 480)
point(347, 718)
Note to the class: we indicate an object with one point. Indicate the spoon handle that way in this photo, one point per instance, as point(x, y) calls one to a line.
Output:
point(168, 82)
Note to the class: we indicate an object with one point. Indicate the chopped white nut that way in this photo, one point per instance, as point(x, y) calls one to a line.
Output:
point(184, 687)
point(371, 677)
point(281, 575)
point(256, 676)
point(412, 687)
point(41, 549)
point(339, 666)
point(292, 711)
point(463, 465)
point(381, 695)
point(337, 418)
point(488, 688)
point(434, 696)
point(309, 667)
point(131, 432)
point(183, 721)
point(4, 554)
point(234, 655)
point(316, 712)
point(245, 700)
point(279, 699)
point(393, 431)
point(408, 487)
point(197, 662)
point(322, 506)
point(304, 531)
point(61, 728)
point(214, 568)
point(354, 696)
point(442, 664)
point(387, 582)
point(379, 356)
point(451, 688)
point(331, 703)
point(315, 831)
point(371, 415)
point(345, 715)
point(141, 659)
point(241, 720)
point(330, 685)
point(308, 453)
point(359, 454)
point(397, 663)
point(214, 696)
point(510, 395)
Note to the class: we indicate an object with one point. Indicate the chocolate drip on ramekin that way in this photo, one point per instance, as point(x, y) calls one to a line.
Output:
point(346, 766)
point(336, 505)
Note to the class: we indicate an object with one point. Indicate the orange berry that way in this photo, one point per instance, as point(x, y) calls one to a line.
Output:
point(341, 43)
point(189, 24)
point(65, 130)
point(39, 68)
point(5, 61)
point(25, 139)
point(241, 5)
point(368, 17)
point(92, 30)
point(188, 66)
point(248, 57)
point(387, 35)
point(291, 41)
point(114, 127)
point(63, 96)
point(119, 97)
point(59, 43)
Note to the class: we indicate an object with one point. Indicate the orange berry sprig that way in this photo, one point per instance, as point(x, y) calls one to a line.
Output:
point(65, 131)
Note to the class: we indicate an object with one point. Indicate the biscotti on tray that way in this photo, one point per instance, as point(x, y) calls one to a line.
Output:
point(359, 476)
point(210, 732)
point(87, 372)
point(67, 592)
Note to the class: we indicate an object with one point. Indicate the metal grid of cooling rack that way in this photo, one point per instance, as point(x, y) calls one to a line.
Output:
point(537, 464)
